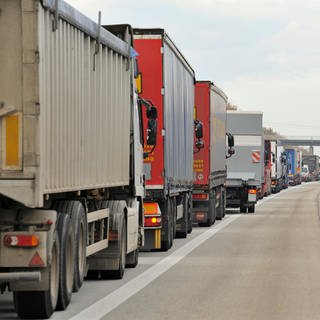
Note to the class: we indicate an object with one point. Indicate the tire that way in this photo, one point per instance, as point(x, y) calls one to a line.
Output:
point(41, 304)
point(219, 215)
point(118, 274)
point(243, 209)
point(66, 276)
point(189, 199)
point(132, 259)
point(78, 217)
point(251, 209)
point(166, 240)
point(79, 224)
point(212, 212)
point(183, 233)
point(92, 275)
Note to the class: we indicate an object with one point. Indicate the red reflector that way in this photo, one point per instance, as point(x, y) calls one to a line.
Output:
point(153, 222)
point(200, 216)
point(29, 241)
point(36, 261)
point(252, 191)
point(200, 196)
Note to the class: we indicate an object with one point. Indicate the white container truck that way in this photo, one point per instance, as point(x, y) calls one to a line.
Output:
point(71, 172)
point(278, 167)
point(245, 169)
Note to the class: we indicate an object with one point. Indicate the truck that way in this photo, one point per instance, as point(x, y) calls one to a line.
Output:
point(209, 164)
point(279, 168)
point(71, 169)
point(168, 80)
point(268, 161)
point(245, 170)
point(294, 166)
point(312, 161)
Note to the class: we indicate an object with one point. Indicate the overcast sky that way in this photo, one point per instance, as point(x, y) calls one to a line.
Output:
point(265, 54)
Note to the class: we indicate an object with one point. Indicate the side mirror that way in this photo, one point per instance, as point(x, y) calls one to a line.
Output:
point(152, 132)
point(198, 128)
point(152, 113)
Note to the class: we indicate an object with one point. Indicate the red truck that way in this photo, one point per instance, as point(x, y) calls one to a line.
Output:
point(209, 166)
point(168, 80)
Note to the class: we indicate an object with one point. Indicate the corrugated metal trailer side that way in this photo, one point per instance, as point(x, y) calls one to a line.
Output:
point(179, 81)
point(218, 130)
point(71, 103)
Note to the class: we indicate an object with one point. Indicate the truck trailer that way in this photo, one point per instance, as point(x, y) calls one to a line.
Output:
point(279, 168)
point(268, 161)
point(312, 161)
point(168, 80)
point(245, 170)
point(209, 164)
point(294, 166)
point(71, 169)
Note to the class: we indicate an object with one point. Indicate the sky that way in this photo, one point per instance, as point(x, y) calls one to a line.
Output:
point(264, 54)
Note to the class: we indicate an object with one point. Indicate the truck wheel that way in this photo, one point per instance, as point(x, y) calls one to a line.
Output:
point(189, 200)
point(251, 209)
point(79, 224)
point(184, 232)
point(166, 240)
point(243, 209)
point(66, 261)
point(132, 259)
point(220, 208)
point(118, 274)
point(41, 304)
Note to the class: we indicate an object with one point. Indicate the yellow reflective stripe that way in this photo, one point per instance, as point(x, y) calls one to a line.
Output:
point(157, 239)
point(139, 83)
point(12, 140)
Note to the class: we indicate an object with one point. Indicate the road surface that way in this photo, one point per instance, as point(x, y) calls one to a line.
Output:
point(254, 266)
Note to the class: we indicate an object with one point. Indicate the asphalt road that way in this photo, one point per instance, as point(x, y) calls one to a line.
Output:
point(254, 266)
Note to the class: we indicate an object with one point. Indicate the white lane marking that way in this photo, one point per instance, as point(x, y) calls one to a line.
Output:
point(114, 299)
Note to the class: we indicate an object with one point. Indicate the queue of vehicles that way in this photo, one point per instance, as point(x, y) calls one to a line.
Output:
point(110, 146)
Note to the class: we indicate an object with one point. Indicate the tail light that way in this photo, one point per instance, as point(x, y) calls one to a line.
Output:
point(152, 222)
point(152, 215)
point(200, 196)
point(27, 241)
point(252, 191)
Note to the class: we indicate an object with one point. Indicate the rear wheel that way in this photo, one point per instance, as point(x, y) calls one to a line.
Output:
point(243, 209)
point(41, 304)
point(66, 261)
point(166, 239)
point(184, 224)
point(132, 259)
point(251, 209)
point(118, 274)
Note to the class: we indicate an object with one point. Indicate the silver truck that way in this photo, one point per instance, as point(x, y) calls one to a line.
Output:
point(71, 167)
point(245, 169)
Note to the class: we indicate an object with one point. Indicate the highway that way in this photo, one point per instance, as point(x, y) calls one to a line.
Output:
point(251, 266)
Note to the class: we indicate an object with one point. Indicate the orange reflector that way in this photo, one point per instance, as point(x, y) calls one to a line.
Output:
point(12, 141)
point(36, 261)
point(252, 191)
point(28, 241)
point(151, 208)
point(152, 222)
point(200, 196)
point(273, 182)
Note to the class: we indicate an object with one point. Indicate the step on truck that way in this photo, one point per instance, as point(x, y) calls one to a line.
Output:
point(71, 167)
point(168, 80)
point(245, 170)
point(209, 164)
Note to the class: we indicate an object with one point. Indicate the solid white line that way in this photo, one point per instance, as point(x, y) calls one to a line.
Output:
point(114, 299)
